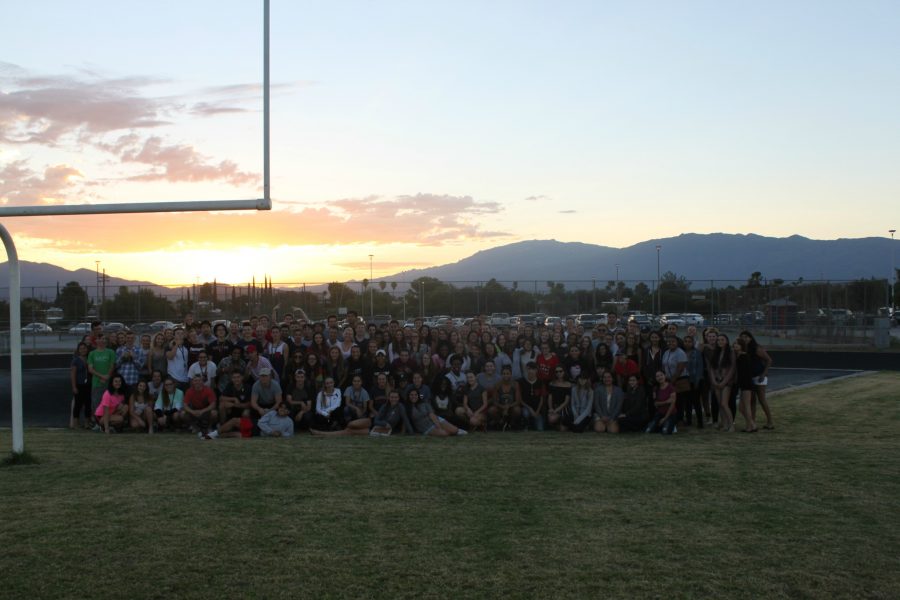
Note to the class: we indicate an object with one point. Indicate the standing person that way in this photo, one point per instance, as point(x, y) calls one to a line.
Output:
point(228, 366)
point(276, 351)
point(177, 360)
point(534, 398)
point(760, 362)
point(744, 369)
point(623, 368)
point(256, 364)
point(608, 399)
point(425, 422)
point(547, 362)
point(140, 408)
point(200, 412)
point(579, 418)
point(101, 363)
point(156, 357)
point(205, 369)
point(112, 410)
point(560, 390)
point(80, 379)
point(722, 375)
point(220, 347)
point(634, 406)
point(664, 402)
point(695, 369)
point(707, 396)
point(130, 360)
point(675, 367)
point(651, 362)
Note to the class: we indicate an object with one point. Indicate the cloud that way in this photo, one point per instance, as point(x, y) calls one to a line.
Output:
point(422, 219)
point(180, 162)
point(87, 108)
point(382, 265)
point(536, 198)
point(567, 212)
point(21, 185)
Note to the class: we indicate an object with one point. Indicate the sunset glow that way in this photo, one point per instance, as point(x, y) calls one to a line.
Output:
point(421, 134)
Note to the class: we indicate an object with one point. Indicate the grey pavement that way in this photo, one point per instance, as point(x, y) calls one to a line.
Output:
point(46, 398)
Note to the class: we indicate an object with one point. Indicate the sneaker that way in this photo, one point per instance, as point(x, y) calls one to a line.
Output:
point(675, 429)
point(200, 435)
point(461, 431)
point(212, 434)
point(96, 428)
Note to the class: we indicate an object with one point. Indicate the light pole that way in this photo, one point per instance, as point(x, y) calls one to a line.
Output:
point(371, 290)
point(893, 280)
point(658, 290)
point(617, 288)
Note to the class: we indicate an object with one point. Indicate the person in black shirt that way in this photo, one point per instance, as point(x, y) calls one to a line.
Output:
point(534, 396)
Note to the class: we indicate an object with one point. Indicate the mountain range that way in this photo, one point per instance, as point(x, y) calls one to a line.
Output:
point(698, 257)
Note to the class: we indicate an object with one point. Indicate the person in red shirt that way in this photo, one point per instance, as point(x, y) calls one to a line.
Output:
point(546, 363)
point(200, 406)
point(624, 367)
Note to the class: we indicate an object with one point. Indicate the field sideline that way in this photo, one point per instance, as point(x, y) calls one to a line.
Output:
point(810, 510)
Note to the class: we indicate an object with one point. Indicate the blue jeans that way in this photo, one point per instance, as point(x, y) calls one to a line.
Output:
point(663, 426)
point(533, 418)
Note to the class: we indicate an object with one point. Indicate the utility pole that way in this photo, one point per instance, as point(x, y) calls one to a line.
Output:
point(658, 288)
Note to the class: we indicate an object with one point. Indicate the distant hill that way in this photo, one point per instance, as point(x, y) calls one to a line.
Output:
point(698, 257)
point(46, 277)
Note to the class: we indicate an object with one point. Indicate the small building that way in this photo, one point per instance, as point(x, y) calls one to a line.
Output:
point(781, 314)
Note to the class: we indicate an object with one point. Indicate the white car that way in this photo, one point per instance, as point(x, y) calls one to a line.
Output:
point(673, 319)
point(80, 329)
point(37, 328)
point(499, 320)
point(693, 319)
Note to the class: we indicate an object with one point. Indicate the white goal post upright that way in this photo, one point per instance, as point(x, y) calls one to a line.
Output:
point(15, 308)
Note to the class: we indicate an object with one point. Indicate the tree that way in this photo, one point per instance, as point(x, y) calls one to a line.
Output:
point(73, 300)
point(755, 280)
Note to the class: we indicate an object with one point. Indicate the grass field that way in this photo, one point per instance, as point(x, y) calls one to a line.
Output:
point(810, 510)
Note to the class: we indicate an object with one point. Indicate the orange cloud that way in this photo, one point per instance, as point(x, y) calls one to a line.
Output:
point(425, 219)
point(21, 185)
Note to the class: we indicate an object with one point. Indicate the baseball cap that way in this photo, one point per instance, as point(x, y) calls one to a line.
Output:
point(265, 371)
point(251, 348)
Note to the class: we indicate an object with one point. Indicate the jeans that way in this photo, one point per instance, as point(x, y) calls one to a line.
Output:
point(533, 418)
point(663, 426)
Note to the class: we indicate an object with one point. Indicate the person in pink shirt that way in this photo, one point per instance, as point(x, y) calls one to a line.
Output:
point(112, 409)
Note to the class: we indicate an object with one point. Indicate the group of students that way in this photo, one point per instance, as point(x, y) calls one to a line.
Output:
point(258, 378)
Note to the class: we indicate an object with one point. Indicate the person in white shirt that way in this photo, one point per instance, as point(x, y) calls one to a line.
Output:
point(329, 415)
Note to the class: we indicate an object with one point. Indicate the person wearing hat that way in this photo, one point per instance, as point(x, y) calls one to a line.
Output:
point(534, 397)
point(265, 395)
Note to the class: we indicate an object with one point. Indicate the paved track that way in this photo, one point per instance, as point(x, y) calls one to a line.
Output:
point(46, 400)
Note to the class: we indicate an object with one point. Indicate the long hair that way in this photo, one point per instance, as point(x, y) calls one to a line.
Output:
point(723, 355)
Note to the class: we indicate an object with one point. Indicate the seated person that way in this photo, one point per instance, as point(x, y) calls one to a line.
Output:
point(200, 406)
point(426, 422)
point(265, 395)
point(634, 406)
point(277, 423)
point(505, 408)
point(112, 410)
point(390, 416)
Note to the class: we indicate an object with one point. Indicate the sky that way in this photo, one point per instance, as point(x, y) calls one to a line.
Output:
point(422, 132)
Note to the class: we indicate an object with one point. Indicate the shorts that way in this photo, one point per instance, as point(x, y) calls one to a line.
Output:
point(431, 428)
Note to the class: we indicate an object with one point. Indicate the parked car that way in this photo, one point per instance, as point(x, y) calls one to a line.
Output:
point(499, 320)
point(589, 321)
point(35, 328)
point(527, 319)
point(80, 329)
point(693, 319)
point(672, 318)
point(114, 327)
point(380, 320)
point(161, 325)
point(723, 319)
point(642, 319)
point(438, 321)
point(753, 318)
point(551, 321)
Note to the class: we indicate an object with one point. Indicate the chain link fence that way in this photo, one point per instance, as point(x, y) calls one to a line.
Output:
point(802, 313)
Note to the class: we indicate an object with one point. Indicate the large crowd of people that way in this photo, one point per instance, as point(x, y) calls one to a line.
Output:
point(276, 378)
